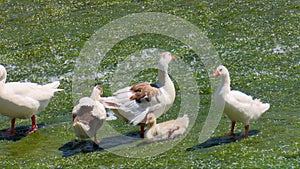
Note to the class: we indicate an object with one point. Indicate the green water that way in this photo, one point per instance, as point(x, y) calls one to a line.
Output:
point(257, 41)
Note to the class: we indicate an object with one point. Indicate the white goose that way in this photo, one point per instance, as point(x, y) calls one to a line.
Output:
point(165, 130)
point(89, 115)
point(133, 103)
point(238, 106)
point(24, 100)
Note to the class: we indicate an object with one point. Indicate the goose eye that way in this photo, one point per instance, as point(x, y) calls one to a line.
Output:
point(221, 70)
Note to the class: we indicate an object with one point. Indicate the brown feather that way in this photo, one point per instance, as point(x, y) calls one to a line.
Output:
point(143, 90)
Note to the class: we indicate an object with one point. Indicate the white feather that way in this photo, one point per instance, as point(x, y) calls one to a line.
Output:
point(238, 106)
point(22, 100)
point(135, 112)
point(89, 115)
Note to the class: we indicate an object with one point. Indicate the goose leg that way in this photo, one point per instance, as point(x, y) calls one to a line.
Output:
point(172, 131)
point(12, 127)
point(244, 136)
point(232, 128)
point(96, 142)
point(34, 126)
point(246, 130)
point(142, 130)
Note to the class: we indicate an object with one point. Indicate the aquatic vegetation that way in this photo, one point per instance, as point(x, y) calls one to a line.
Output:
point(258, 41)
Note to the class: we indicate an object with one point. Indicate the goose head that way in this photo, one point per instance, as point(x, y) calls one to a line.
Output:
point(151, 119)
point(97, 92)
point(2, 74)
point(165, 59)
point(221, 71)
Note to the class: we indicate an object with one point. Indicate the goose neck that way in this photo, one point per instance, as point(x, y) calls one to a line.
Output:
point(225, 83)
point(95, 95)
point(2, 82)
point(163, 77)
point(153, 124)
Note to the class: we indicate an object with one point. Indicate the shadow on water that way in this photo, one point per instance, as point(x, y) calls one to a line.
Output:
point(221, 140)
point(20, 132)
point(86, 146)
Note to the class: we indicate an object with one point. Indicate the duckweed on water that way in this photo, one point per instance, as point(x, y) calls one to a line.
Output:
point(258, 42)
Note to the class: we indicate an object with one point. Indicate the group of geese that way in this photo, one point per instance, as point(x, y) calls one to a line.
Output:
point(140, 104)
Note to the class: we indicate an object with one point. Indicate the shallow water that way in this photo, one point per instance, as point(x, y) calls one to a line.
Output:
point(257, 41)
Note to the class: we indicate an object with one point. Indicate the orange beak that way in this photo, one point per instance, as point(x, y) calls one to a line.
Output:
point(172, 58)
point(216, 73)
point(147, 122)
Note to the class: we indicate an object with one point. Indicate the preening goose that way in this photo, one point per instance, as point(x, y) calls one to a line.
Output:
point(89, 115)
